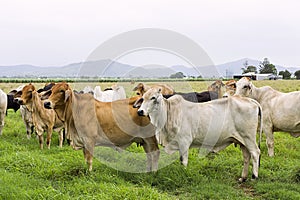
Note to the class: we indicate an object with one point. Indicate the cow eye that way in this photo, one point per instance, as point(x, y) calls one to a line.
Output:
point(62, 91)
point(152, 98)
point(246, 87)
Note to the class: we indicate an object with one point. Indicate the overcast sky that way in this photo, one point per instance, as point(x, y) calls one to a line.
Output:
point(60, 32)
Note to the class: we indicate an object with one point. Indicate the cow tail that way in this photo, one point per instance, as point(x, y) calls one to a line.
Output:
point(260, 122)
point(260, 114)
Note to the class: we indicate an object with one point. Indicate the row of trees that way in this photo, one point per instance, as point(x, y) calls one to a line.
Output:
point(265, 67)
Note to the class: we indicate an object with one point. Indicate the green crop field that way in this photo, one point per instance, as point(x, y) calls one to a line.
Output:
point(26, 172)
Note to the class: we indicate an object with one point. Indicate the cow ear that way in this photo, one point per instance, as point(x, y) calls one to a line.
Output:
point(46, 95)
point(18, 94)
point(13, 92)
point(67, 95)
point(139, 86)
point(138, 103)
point(234, 85)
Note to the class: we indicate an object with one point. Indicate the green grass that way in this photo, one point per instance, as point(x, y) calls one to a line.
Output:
point(26, 172)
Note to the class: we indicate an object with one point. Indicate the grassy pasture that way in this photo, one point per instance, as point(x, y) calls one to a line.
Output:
point(26, 172)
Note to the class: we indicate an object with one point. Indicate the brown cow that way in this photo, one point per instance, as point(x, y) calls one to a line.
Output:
point(217, 86)
point(141, 88)
point(43, 119)
point(230, 88)
point(91, 123)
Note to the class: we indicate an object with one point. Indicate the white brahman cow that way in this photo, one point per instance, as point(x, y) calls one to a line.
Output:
point(281, 110)
point(115, 93)
point(213, 125)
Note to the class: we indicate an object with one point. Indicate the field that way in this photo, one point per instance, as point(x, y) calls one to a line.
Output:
point(60, 173)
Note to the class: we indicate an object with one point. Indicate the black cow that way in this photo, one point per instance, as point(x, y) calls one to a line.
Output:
point(47, 87)
point(191, 96)
point(10, 100)
point(11, 104)
point(195, 96)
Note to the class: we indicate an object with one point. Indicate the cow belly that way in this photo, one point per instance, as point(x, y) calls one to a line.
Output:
point(215, 145)
point(290, 126)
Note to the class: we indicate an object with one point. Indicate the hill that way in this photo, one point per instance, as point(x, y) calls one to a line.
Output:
point(109, 68)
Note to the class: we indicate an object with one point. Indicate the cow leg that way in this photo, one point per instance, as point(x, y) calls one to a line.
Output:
point(255, 155)
point(61, 137)
point(1, 122)
point(41, 140)
point(246, 156)
point(64, 135)
point(29, 130)
point(28, 134)
point(184, 154)
point(49, 136)
point(152, 151)
point(270, 140)
point(252, 150)
point(88, 157)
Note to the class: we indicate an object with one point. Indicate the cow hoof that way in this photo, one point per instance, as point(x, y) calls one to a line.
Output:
point(254, 178)
point(242, 180)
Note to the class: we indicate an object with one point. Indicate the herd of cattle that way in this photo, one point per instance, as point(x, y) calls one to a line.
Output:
point(157, 115)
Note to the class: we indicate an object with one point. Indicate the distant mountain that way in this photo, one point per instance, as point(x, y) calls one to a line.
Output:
point(235, 67)
point(109, 68)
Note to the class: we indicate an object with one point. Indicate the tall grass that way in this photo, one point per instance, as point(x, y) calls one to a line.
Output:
point(26, 172)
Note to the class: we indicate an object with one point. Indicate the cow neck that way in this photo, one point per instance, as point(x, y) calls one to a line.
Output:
point(67, 113)
point(159, 117)
point(29, 106)
point(60, 112)
point(36, 102)
point(257, 93)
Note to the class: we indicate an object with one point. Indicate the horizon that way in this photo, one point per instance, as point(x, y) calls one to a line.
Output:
point(146, 66)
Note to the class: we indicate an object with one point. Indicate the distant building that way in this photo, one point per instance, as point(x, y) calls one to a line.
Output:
point(258, 77)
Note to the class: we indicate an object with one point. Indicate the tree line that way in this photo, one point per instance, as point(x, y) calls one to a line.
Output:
point(266, 67)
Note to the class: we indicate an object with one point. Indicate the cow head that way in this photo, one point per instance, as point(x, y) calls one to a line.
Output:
point(216, 86)
point(244, 87)
point(24, 96)
point(230, 88)
point(150, 101)
point(140, 89)
point(60, 94)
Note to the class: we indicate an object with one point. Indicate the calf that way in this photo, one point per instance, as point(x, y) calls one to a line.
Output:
point(43, 119)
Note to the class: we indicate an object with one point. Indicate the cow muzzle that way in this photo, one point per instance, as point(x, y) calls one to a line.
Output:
point(47, 104)
point(140, 112)
point(19, 101)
